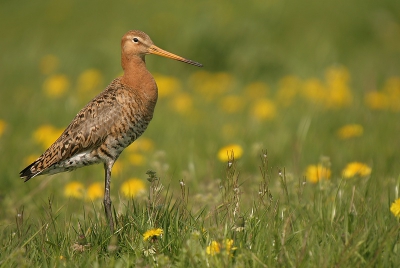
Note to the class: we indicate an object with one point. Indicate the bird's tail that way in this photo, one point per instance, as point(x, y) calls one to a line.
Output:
point(30, 171)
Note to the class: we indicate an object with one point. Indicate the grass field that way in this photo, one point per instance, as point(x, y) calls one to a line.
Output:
point(282, 151)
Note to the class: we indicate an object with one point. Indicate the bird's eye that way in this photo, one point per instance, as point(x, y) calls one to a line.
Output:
point(135, 40)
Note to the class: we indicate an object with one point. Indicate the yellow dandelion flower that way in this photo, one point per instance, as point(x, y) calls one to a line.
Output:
point(395, 208)
point(145, 144)
point(289, 87)
point(95, 191)
point(214, 248)
point(55, 85)
point(46, 135)
point(117, 169)
point(49, 64)
point(356, 169)
point(229, 248)
point(74, 189)
point(339, 97)
point(376, 100)
point(89, 80)
point(314, 91)
point(137, 159)
point(167, 85)
point(152, 234)
point(350, 131)
point(263, 109)
point(225, 152)
point(256, 90)
point(181, 103)
point(339, 92)
point(132, 187)
point(2, 127)
point(315, 173)
point(142, 144)
point(232, 104)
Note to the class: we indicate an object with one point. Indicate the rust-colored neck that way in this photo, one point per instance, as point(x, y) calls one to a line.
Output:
point(138, 78)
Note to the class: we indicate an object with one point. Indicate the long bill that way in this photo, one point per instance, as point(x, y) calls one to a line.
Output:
point(153, 49)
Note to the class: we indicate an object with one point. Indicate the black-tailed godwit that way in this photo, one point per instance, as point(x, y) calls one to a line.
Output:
point(111, 121)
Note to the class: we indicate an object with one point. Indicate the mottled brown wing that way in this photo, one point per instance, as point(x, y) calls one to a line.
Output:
point(84, 133)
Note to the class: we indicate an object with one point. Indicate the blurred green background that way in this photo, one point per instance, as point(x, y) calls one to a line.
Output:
point(244, 42)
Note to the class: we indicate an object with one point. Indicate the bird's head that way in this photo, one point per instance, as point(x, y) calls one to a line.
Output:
point(138, 44)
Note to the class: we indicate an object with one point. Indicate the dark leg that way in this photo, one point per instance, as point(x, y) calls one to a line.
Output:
point(107, 199)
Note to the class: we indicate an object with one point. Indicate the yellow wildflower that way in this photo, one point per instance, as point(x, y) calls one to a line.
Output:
point(55, 86)
point(350, 131)
point(225, 152)
point(136, 159)
point(213, 248)
point(46, 135)
point(315, 173)
point(263, 109)
point(339, 97)
point(89, 80)
point(395, 208)
point(74, 189)
point(182, 103)
point(49, 64)
point(132, 187)
point(117, 169)
point(314, 91)
point(152, 234)
point(339, 92)
point(356, 169)
point(95, 191)
point(376, 100)
point(142, 144)
point(167, 85)
point(231, 104)
point(229, 247)
point(2, 127)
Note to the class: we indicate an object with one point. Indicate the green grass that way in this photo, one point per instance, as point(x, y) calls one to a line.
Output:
point(294, 224)
point(273, 213)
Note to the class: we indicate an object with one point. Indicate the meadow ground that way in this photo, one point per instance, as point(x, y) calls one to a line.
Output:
point(282, 151)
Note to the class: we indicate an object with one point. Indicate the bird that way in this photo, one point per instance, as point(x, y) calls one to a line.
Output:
point(111, 121)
